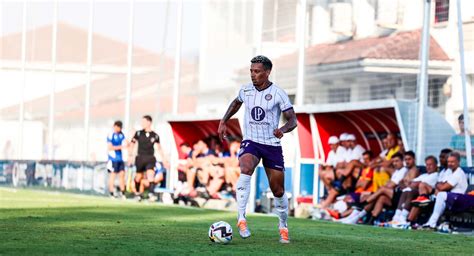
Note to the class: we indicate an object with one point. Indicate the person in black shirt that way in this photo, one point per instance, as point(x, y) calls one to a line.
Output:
point(145, 160)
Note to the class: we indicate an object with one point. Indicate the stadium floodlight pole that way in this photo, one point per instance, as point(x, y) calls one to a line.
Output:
point(88, 80)
point(423, 80)
point(53, 81)
point(301, 28)
point(23, 83)
point(128, 86)
point(161, 64)
point(467, 131)
point(177, 63)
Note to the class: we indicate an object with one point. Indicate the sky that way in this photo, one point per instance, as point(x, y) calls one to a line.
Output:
point(111, 19)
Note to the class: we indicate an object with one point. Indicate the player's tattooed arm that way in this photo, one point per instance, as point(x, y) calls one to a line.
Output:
point(233, 108)
point(290, 125)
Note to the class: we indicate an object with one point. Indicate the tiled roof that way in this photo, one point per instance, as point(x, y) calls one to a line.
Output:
point(401, 46)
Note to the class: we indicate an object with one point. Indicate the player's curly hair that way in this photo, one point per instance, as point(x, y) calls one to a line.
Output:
point(266, 62)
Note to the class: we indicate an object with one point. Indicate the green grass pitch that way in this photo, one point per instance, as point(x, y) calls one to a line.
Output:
point(34, 222)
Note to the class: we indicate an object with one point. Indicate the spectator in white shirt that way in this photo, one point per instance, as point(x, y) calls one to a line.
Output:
point(404, 204)
point(455, 183)
point(353, 164)
point(327, 168)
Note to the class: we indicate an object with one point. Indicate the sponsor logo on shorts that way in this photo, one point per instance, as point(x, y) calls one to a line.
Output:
point(268, 97)
point(258, 114)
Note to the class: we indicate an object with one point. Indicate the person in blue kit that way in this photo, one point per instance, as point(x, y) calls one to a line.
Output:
point(160, 171)
point(458, 143)
point(115, 164)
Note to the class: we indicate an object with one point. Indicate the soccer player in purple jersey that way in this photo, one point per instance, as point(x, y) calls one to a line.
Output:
point(264, 102)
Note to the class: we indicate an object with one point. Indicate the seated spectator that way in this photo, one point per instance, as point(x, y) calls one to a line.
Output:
point(353, 156)
point(346, 171)
point(203, 157)
point(341, 152)
point(185, 163)
point(216, 145)
point(452, 192)
point(210, 171)
point(327, 168)
point(160, 171)
point(389, 194)
point(404, 204)
point(328, 177)
point(384, 161)
point(197, 158)
point(363, 187)
point(425, 189)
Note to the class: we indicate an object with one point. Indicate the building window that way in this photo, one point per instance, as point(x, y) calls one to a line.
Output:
point(279, 21)
point(341, 17)
point(383, 91)
point(337, 95)
point(441, 11)
point(387, 13)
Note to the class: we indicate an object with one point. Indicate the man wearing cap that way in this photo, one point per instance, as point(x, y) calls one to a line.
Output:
point(327, 168)
point(353, 160)
point(458, 143)
point(342, 151)
point(331, 160)
point(338, 159)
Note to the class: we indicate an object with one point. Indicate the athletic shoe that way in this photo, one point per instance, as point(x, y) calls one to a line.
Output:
point(421, 201)
point(152, 197)
point(416, 226)
point(243, 229)
point(347, 220)
point(316, 214)
point(350, 220)
point(401, 225)
point(333, 213)
point(122, 196)
point(137, 198)
point(284, 238)
point(427, 227)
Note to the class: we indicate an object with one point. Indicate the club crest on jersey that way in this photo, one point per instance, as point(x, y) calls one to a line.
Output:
point(258, 114)
point(268, 97)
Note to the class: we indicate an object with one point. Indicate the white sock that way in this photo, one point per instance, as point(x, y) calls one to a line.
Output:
point(396, 217)
point(243, 192)
point(281, 207)
point(361, 214)
point(438, 210)
point(353, 218)
point(404, 216)
point(352, 215)
point(357, 217)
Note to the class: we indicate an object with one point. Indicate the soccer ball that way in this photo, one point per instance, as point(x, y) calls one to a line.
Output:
point(220, 232)
point(444, 227)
